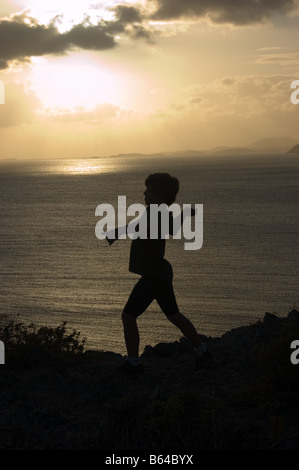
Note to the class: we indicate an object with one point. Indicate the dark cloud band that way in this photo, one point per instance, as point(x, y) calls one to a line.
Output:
point(22, 37)
point(237, 12)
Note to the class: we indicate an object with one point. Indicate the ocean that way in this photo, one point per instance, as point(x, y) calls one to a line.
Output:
point(54, 268)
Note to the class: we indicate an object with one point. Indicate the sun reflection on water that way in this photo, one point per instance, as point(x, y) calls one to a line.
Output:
point(87, 167)
point(65, 166)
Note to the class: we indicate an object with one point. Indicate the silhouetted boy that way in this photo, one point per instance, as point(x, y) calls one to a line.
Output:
point(147, 259)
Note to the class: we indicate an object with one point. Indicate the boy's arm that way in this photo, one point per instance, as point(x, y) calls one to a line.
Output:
point(174, 225)
point(114, 235)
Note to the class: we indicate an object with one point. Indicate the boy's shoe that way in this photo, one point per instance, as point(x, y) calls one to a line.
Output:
point(132, 371)
point(205, 361)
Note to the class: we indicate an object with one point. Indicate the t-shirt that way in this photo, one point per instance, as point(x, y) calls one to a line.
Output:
point(147, 258)
point(147, 254)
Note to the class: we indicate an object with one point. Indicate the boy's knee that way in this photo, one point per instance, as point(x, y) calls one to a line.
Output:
point(175, 318)
point(127, 318)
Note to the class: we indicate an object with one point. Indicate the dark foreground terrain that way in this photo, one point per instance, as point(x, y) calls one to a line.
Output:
point(62, 399)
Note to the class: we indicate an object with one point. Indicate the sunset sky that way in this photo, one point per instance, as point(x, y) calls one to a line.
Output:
point(84, 79)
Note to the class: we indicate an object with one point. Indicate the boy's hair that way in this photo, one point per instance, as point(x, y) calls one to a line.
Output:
point(165, 184)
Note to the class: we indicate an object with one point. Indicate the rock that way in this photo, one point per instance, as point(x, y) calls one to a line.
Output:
point(81, 402)
point(157, 394)
point(162, 349)
point(148, 351)
point(185, 346)
point(270, 319)
point(293, 315)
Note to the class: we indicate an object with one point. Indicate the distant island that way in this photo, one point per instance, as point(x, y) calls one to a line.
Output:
point(278, 145)
point(9, 160)
point(266, 146)
point(294, 149)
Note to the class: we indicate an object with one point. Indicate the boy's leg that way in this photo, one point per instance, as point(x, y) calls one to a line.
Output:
point(204, 358)
point(167, 301)
point(165, 297)
point(139, 299)
point(132, 365)
point(186, 327)
point(131, 334)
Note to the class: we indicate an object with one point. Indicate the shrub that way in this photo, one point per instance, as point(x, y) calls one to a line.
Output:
point(19, 337)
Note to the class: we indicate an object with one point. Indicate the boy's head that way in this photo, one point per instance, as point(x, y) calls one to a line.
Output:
point(163, 188)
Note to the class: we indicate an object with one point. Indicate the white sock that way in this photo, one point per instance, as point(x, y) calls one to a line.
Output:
point(133, 361)
point(200, 350)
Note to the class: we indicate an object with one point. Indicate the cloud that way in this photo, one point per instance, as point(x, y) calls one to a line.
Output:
point(243, 96)
point(126, 14)
point(236, 98)
point(228, 111)
point(282, 59)
point(235, 12)
point(22, 37)
point(99, 113)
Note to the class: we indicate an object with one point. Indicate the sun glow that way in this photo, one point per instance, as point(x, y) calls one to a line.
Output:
point(67, 13)
point(70, 82)
point(79, 81)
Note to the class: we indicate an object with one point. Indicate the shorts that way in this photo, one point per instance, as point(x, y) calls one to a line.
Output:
point(148, 289)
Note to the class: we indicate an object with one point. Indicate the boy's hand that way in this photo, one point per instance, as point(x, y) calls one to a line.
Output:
point(110, 240)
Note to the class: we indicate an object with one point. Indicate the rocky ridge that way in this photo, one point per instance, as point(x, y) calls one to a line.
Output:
point(248, 400)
